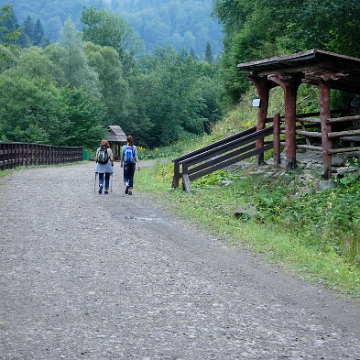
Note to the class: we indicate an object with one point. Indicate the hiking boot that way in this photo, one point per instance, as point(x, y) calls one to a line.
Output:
point(126, 188)
point(106, 191)
point(130, 192)
point(100, 188)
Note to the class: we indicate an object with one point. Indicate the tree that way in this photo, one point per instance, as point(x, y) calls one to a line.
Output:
point(208, 55)
point(74, 63)
point(10, 30)
point(39, 38)
point(26, 38)
point(29, 113)
point(34, 63)
point(114, 88)
point(83, 119)
point(265, 28)
point(9, 35)
point(105, 28)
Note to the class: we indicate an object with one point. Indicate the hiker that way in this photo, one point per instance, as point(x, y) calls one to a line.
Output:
point(104, 165)
point(129, 159)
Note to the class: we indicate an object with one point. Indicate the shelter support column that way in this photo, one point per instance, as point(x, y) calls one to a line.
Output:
point(325, 114)
point(290, 85)
point(263, 86)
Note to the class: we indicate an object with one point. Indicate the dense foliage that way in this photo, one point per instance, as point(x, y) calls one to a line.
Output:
point(264, 28)
point(181, 24)
point(68, 92)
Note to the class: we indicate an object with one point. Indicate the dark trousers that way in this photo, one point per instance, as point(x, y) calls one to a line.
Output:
point(129, 171)
point(107, 179)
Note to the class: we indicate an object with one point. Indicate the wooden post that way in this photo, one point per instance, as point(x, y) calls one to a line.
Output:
point(290, 85)
point(325, 114)
point(263, 86)
point(175, 183)
point(276, 140)
point(185, 178)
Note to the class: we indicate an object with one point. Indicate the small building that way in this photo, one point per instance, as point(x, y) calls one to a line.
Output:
point(116, 138)
point(327, 71)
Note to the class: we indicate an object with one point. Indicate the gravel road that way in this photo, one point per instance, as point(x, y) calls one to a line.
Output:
point(84, 276)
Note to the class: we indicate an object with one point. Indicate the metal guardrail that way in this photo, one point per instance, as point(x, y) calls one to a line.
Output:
point(14, 154)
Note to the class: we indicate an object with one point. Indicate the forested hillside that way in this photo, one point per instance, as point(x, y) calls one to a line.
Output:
point(181, 24)
point(68, 92)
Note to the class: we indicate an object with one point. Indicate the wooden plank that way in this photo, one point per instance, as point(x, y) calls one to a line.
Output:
point(227, 147)
point(222, 158)
point(224, 164)
point(216, 144)
point(186, 183)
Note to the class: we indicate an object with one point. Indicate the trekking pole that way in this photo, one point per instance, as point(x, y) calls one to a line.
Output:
point(95, 183)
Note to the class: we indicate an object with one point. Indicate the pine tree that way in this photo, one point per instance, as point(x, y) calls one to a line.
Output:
point(208, 55)
point(26, 38)
point(39, 34)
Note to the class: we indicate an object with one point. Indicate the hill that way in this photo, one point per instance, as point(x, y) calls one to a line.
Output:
point(179, 23)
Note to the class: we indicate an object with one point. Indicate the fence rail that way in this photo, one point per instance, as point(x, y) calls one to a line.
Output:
point(219, 155)
point(13, 154)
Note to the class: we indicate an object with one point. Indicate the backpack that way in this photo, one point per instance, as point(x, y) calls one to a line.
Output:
point(103, 156)
point(129, 154)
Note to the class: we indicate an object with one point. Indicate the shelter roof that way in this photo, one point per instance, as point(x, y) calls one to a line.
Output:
point(116, 134)
point(343, 72)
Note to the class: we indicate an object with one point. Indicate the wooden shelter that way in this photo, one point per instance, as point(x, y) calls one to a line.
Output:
point(324, 69)
point(116, 138)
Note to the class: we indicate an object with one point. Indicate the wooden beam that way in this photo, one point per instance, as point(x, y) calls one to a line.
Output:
point(276, 140)
point(343, 119)
point(263, 86)
point(325, 114)
point(290, 85)
point(343, 133)
point(296, 69)
point(309, 134)
point(186, 183)
point(341, 150)
point(309, 147)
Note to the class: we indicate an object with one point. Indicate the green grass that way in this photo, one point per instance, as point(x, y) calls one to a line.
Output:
point(300, 234)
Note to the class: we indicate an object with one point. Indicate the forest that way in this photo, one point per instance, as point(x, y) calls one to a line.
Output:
point(181, 24)
point(67, 92)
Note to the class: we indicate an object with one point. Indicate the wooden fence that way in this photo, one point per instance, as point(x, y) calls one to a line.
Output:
point(14, 154)
point(243, 145)
point(219, 155)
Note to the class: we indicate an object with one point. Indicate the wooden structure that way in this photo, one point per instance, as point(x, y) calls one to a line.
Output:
point(321, 131)
point(219, 155)
point(324, 69)
point(14, 154)
point(116, 138)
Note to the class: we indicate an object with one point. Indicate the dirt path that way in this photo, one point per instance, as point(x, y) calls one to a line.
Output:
point(85, 276)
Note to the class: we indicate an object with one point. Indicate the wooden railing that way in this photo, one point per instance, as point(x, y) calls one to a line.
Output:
point(309, 130)
point(14, 154)
point(219, 155)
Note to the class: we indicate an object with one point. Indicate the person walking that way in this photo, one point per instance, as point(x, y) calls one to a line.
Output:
point(104, 165)
point(129, 160)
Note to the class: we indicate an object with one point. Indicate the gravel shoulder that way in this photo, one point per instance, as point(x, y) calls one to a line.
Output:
point(85, 276)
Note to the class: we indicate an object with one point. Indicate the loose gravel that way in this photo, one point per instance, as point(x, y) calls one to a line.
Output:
point(88, 276)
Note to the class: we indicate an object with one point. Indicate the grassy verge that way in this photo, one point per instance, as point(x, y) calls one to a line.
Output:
point(282, 230)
